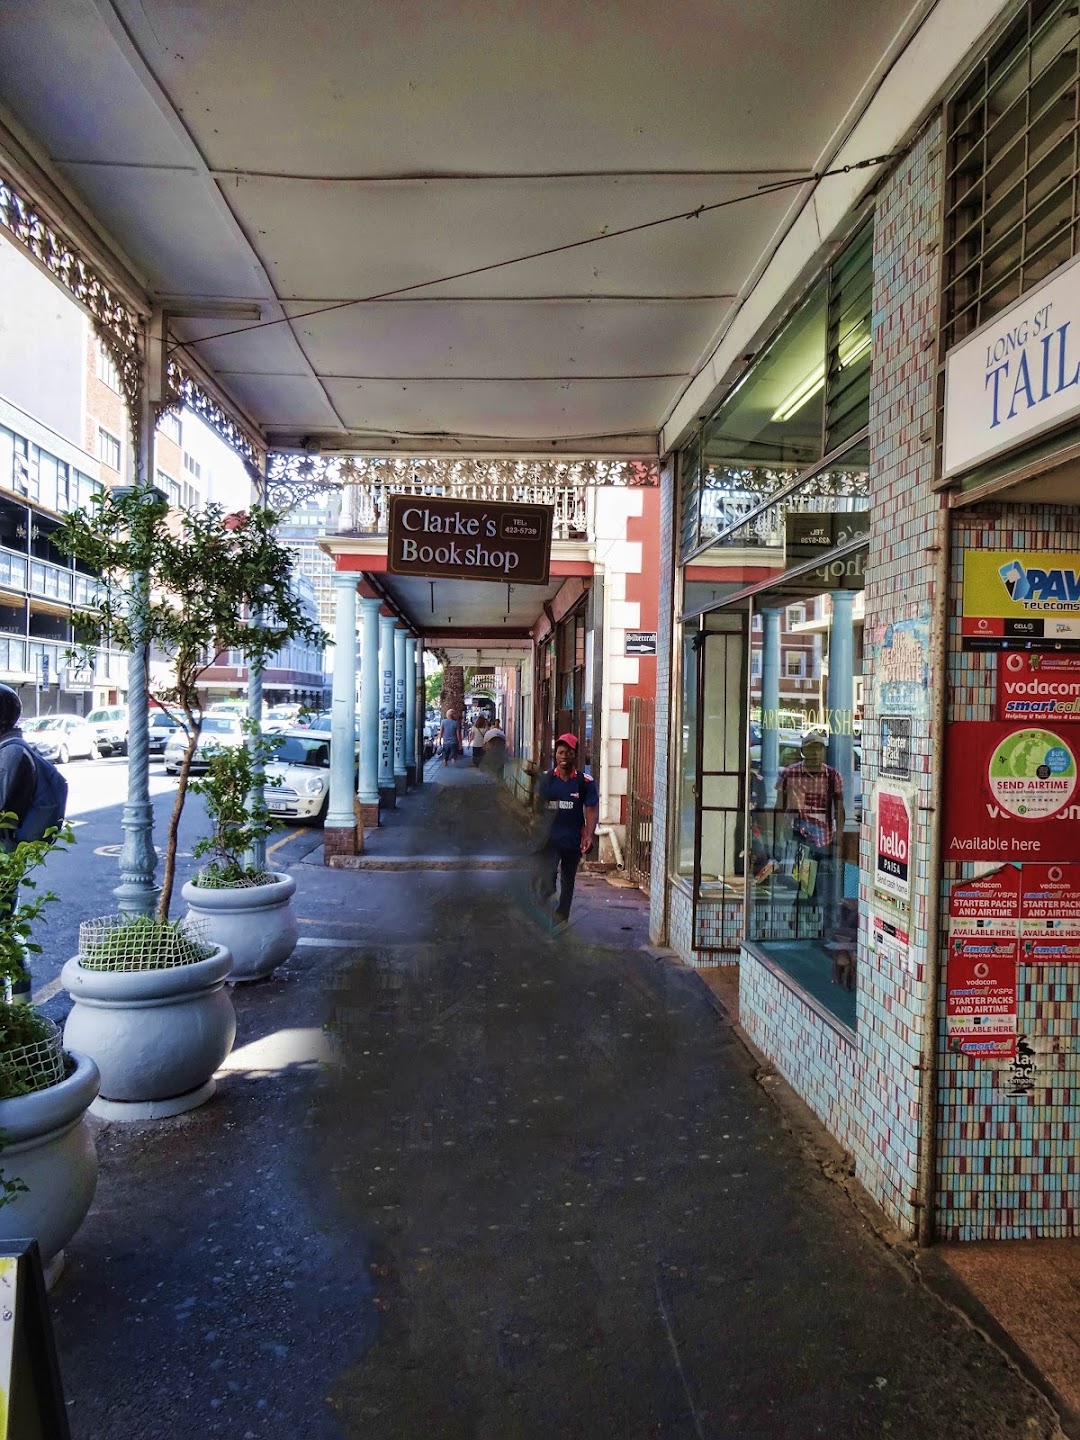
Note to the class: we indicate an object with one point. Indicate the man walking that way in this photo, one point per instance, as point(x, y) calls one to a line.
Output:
point(451, 738)
point(570, 805)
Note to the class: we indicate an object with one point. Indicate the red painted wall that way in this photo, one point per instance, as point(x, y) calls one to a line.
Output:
point(644, 587)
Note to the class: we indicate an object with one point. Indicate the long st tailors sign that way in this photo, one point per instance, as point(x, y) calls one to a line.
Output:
point(469, 540)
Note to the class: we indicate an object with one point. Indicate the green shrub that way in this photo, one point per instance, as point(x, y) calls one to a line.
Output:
point(140, 943)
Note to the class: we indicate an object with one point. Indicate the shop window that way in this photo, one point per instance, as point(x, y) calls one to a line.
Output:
point(805, 798)
point(806, 395)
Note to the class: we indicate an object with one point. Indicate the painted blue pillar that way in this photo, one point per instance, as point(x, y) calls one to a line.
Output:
point(368, 786)
point(341, 816)
point(840, 695)
point(770, 701)
point(410, 707)
point(387, 790)
point(401, 774)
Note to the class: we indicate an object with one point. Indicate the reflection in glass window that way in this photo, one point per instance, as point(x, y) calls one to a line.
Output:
point(687, 752)
point(805, 788)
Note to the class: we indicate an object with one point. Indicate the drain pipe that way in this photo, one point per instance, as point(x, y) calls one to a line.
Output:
point(928, 1040)
point(612, 835)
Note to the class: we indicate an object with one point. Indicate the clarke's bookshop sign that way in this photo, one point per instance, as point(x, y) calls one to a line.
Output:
point(1016, 376)
point(469, 540)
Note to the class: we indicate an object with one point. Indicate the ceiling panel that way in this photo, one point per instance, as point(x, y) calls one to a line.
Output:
point(439, 604)
point(539, 411)
point(292, 401)
point(512, 338)
point(361, 240)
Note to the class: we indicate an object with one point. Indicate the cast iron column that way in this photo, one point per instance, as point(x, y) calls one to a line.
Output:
point(339, 831)
point(770, 701)
point(401, 774)
point(368, 788)
point(410, 709)
point(387, 791)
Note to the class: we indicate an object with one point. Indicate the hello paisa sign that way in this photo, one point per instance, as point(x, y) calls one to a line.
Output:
point(469, 540)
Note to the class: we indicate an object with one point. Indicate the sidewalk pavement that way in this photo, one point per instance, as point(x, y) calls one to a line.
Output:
point(543, 1190)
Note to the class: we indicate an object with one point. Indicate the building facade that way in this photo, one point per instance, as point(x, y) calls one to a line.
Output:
point(885, 510)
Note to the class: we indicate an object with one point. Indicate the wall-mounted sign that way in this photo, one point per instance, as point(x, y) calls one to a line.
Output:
point(1038, 686)
point(1010, 792)
point(1050, 914)
point(894, 838)
point(894, 750)
point(468, 540)
point(1018, 598)
point(640, 642)
point(902, 669)
point(1015, 377)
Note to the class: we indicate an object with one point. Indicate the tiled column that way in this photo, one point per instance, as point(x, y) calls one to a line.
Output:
point(340, 832)
point(368, 787)
point(410, 708)
point(401, 774)
point(387, 791)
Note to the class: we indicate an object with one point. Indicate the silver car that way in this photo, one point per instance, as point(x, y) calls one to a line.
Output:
point(61, 737)
point(302, 764)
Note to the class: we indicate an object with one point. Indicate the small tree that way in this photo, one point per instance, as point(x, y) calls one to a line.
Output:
point(237, 821)
point(192, 583)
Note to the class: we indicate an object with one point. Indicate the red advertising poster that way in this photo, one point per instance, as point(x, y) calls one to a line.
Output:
point(981, 988)
point(1010, 792)
point(1045, 688)
point(981, 1005)
point(1050, 914)
point(892, 843)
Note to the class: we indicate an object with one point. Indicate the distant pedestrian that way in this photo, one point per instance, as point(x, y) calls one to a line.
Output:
point(570, 805)
point(476, 740)
point(495, 748)
point(451, 738)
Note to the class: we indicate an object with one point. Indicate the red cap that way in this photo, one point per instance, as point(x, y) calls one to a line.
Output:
point(568, 739)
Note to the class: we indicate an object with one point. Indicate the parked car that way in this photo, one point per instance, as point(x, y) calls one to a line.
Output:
point(280, 717)
point(302, 763)
point(163, 726)
point(59, 737)
point(217, 732)
point(228, 707)
point(110, 726)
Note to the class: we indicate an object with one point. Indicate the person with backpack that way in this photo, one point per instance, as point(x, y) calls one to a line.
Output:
point(18, 768)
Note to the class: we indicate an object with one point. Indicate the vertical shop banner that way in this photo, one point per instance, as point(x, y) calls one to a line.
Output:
point(1050, 914)
point(902, 669)
point(1010, 792)
point(981, 1006)
point(894, 838)
point(1041, 687)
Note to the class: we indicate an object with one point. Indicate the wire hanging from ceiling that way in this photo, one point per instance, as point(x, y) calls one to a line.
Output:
point(794, 182)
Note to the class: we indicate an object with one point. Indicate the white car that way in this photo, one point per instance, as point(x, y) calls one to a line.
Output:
point(218, 732)
point(110, 727)
point(302, 763)
point(59, 737)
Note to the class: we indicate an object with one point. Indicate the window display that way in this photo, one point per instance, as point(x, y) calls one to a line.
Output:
point(805, 789)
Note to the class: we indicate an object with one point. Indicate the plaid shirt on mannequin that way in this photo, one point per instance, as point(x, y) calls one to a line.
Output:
point(812, 798)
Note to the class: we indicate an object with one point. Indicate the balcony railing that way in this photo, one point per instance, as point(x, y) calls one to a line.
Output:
point(365, 504)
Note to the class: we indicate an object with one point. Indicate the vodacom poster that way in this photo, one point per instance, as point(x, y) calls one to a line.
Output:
point(1038, 687)
point(1011, 791)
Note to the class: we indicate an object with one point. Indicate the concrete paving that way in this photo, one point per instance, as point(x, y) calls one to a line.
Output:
point(543, 1191)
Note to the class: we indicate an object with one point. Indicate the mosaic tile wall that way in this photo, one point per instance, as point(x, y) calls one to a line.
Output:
point(658, 888)
point(716, 922)
point(1009, 1163)
point(867, 1092)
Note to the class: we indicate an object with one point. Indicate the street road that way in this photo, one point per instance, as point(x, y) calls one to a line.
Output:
point(85, 876)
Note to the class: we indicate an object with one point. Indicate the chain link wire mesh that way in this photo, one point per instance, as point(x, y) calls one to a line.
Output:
point(120, 944)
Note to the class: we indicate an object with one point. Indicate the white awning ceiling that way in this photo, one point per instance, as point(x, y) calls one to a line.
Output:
point(318, 155)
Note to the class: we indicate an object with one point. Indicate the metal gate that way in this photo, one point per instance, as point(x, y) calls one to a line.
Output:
point(639, 799)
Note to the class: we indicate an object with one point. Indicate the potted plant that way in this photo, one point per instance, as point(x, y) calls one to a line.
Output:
point(149, 1004)
point(49, 1161)
point(149, 998)
point(239, 903)
point(190, 584)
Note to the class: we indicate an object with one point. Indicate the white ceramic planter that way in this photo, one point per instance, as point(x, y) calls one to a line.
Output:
point(49, 1147)
point(258, 923)
point(157, 1035)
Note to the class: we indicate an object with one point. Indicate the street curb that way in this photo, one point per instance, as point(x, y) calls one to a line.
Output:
point(429, 862)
